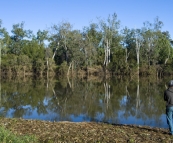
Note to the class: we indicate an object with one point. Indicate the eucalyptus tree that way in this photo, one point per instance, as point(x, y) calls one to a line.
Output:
point(54, 41)
point(109, 30)
point(66, 42)
point(12, 48)
point(75, 52)
point(25, 63)
point(91, 38)
point(42, 36)
point(151, 34)
point(148, 47)
point(61, 34)
point(164, 46)
point(54, 51)
point(139, 42)
point(4, 39)
point(129, 43)
point(49, 56)
point(124, 42)
point(4, 48)
point(36, 54)
point(17, 38)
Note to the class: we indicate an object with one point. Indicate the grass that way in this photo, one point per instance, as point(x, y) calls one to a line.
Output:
point(7, 136)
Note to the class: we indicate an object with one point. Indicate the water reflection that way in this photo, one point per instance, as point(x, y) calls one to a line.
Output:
point(107, 93)
point(121, 101)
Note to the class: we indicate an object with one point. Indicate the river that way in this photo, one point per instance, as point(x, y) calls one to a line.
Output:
point(113, 100)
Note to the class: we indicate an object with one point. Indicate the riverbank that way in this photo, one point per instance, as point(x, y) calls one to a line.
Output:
point(54, 132)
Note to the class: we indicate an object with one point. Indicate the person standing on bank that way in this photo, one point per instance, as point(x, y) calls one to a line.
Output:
point(168, 97)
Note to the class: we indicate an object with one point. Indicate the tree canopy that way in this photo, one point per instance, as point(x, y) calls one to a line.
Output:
point(101, 45)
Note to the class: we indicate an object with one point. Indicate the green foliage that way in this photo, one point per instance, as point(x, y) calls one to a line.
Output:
point(39, 66)
point(34, 51)
point(23, 60)
point(50, 65)
point(4, 41)
point(91, 37)
point(9, 63)
point(14, 63)
point(17, 39)
point(168, 69)
point(10, 60)
point(100, 56)
point(165, 50)
point(63, 68)
point(41, 36)
point(9, 137)
point(23, 51)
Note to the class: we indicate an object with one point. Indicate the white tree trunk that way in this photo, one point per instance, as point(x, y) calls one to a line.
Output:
point(137, 98)
point(127, 55)
point(167, 57)
point(137, 52)
point(107, 53)
point(69, 81)
point(107, 93)
point(105, 56)
point(55, 51)
point(47, 62)
point(69, 69)
point(54, 54)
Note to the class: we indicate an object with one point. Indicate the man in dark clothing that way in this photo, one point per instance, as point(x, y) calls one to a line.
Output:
point(168, 97)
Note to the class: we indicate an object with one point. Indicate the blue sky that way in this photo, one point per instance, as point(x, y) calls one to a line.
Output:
point(42, 14)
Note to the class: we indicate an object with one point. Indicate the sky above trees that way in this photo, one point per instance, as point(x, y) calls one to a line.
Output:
point(39, 14)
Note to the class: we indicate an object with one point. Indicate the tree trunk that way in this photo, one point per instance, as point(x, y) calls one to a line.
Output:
point(107, 93)
point(107, 53)
point(167, 57)
point(137, 97)
point(54, 54)
point(47, 67)
point(69, 69)
point(137, 53)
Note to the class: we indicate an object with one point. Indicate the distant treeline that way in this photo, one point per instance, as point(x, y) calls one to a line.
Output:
point(99, 48)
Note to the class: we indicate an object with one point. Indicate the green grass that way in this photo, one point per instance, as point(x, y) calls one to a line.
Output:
point(9, 137)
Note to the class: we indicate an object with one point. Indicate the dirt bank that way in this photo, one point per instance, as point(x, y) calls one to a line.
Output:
point(90, 132)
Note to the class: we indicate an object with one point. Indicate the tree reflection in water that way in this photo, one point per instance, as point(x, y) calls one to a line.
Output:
point(107, 93)
point(121, 101)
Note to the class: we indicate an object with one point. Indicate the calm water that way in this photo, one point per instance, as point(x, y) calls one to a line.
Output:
point(120, 101)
